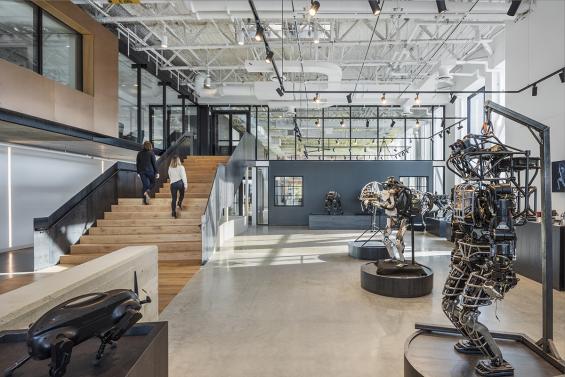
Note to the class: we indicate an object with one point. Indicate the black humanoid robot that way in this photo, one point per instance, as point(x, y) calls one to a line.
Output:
point(492, 200)
point(106, 315)
point(332, 203)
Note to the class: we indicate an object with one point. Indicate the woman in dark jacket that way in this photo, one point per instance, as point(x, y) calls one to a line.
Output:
point(147, 169)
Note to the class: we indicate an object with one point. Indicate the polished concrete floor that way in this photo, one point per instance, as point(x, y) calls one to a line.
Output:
point(287, 302)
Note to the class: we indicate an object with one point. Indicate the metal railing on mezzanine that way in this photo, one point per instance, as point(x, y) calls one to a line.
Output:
point(222, 195)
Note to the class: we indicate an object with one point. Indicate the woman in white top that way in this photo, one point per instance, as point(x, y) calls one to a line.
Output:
point(179, 183)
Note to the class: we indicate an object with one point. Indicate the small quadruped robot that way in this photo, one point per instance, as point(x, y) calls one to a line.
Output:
point(332, 203)
point(492, 200)
point(107, 316)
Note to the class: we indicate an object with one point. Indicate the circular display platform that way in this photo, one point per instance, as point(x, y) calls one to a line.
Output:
point(371, 250)
point(431, 354)
point(403, 285)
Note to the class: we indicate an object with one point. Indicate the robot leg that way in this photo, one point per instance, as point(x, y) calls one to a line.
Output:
point(452, 291)
point(400, 239)
point(474, 296)
point(60, 357)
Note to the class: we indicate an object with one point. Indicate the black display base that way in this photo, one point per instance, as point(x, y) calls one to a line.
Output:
point(141, 352)
point(402, 284)
point(367, 250)
point(431, 354)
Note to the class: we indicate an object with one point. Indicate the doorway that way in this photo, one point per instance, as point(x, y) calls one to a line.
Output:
point(228, 129)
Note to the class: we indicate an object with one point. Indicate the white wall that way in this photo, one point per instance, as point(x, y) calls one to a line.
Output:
point(41, 181)
point(535, 47)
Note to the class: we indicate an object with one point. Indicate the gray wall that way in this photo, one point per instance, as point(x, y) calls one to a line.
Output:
point(346, 177)
point(41, 182)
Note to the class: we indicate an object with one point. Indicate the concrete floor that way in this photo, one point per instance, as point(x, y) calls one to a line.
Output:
point(287, 302)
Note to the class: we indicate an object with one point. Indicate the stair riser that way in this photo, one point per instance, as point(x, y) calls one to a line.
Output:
point(155, 208)
point(155, 222)
point(150, 215)
point(144, 230)
point(140, 239)
point(193, 247)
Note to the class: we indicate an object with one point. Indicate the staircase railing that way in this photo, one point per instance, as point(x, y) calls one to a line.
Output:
point(54, 234)
point(222, 194)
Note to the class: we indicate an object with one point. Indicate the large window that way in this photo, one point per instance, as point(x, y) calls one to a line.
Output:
point(289, 192)
point(353, 133)
point(415, 183)
point(32, 38)
point(127, 99)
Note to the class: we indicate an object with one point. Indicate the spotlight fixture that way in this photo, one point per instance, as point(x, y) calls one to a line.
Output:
point(367, 123)
point(314, 7)
point(453, 98)
point(316, 98)
point(374, 142)
point(208, 82)
point(417, 100)
point(269, 57)
point(417, 123)
point(534, 90)
point(342, 123)
point(240, 37)
point(448, 131)
point(513, 8)
point(375, 7)
point(349, 98)
point(336, 141)
point(280, 91)
point(440, 135)
point(383, 99)
point(562, 75)
point(441, 8)
point(460, 127)
point(259, 33)
point(317, 123)
point(392, 123)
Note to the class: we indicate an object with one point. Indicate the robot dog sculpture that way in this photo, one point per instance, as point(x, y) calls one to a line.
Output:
point(332, 203)
point(106, 315)
point(492, 200)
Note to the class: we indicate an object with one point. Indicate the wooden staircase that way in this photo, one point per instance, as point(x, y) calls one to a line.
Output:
point(130, 222)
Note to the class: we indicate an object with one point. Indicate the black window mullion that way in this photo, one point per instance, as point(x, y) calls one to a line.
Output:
point(38, 12)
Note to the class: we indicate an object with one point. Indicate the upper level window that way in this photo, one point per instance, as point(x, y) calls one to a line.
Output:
point(33, 39)
point(18, 33)
point(62, 51)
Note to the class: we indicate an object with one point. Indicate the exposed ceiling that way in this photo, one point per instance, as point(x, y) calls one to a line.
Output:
point(412, 46)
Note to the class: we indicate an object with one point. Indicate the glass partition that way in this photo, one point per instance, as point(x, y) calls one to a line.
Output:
point(127, 99)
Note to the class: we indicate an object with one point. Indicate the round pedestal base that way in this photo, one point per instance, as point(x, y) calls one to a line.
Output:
point(412, 281)
point(431, 354)
point(372, 250)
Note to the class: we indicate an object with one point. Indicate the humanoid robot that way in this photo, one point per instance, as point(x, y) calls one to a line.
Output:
point(397, 201)
point(492, 200)
point(435, 205)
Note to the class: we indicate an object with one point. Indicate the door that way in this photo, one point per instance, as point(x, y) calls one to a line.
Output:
point(228, 129)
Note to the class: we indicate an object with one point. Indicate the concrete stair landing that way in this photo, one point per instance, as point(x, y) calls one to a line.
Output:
point(130, 222)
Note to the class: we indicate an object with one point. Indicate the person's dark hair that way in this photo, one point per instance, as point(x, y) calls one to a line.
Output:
point(147, 145)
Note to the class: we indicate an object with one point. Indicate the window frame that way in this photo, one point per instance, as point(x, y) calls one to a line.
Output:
point(275, 191)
